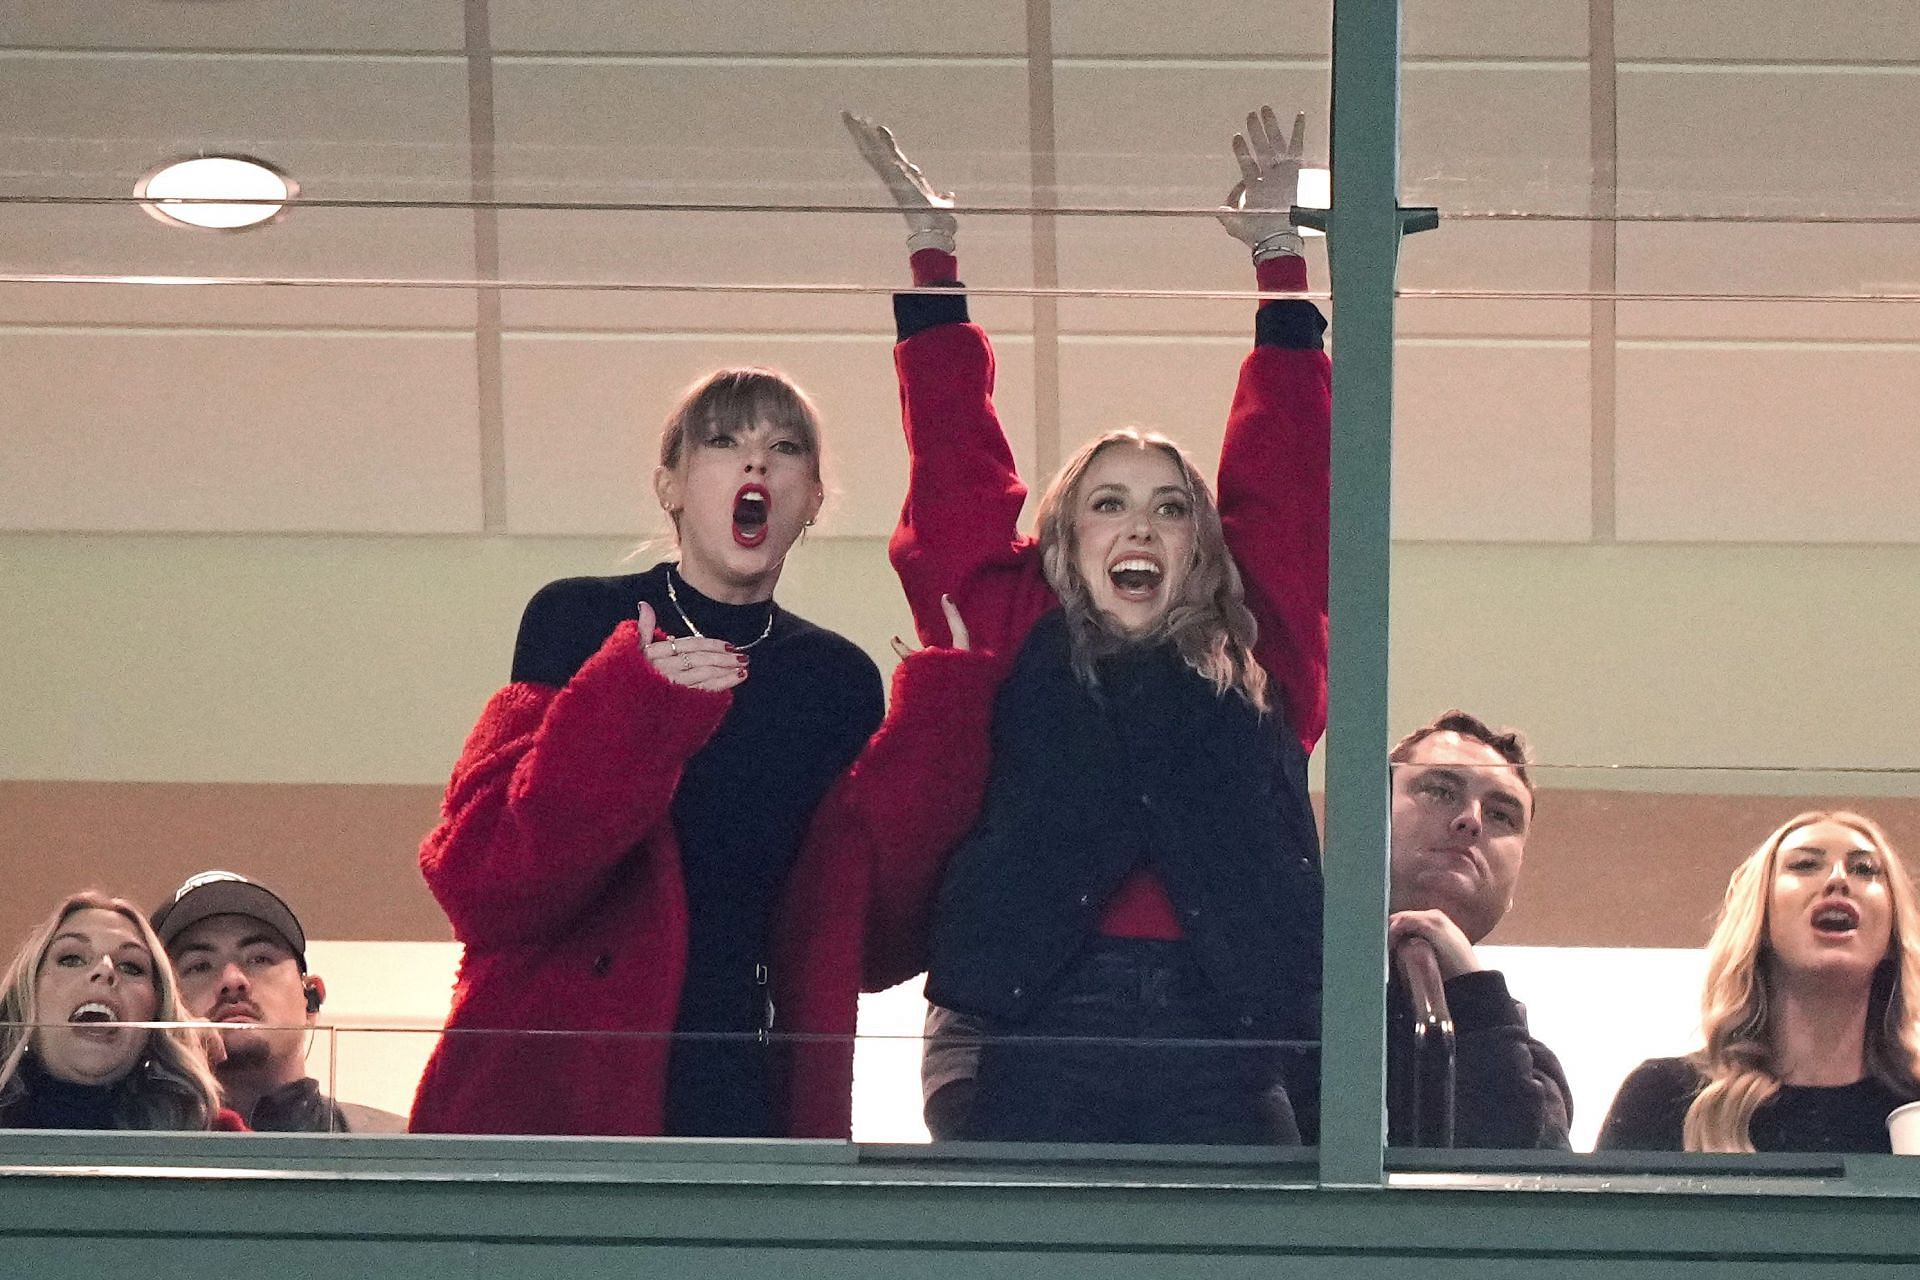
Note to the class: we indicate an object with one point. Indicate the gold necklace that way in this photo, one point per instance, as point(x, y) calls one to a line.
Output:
point(685, 621)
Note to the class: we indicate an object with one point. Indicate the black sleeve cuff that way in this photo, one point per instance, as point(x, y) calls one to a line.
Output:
point(1294, 323)
point(917, 312)
point(1479, 1000)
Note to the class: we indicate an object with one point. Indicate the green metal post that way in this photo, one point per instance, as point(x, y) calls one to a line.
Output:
point(1363, 238)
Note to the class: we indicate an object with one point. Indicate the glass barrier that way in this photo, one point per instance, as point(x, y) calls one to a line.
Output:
point(272, 501)
point(963, 1083)
point(1592, 897)
point(1123, 1067)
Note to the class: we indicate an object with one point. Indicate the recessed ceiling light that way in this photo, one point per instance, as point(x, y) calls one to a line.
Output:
point(1314, 192)
point(220, 193)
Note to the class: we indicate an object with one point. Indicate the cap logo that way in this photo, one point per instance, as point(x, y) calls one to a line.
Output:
point(206, 878)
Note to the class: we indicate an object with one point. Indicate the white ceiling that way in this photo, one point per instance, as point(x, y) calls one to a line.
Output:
point(386, 385)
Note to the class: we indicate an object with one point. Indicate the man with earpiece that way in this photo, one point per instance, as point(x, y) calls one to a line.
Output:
point(241, 956)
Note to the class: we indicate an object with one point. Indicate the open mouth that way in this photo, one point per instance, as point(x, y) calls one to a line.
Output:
point(751, 507)
point(1837, 919)
point(1135, 578)
point(97, 1018)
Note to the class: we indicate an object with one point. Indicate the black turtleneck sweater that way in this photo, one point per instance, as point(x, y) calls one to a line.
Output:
point(810, 701)
point(46, 1102)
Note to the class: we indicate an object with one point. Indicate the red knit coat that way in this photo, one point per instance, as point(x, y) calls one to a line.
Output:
point(959, 528)
point(557, 863)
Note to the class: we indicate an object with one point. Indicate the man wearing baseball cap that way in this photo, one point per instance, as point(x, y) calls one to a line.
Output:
point(242, 959)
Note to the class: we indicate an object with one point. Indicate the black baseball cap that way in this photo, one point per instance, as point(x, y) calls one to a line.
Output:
point(226, 893)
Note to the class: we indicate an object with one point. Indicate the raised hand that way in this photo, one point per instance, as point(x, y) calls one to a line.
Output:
point(955, 626)
point(929, 213)
point(1257, 211)
point(698, 662)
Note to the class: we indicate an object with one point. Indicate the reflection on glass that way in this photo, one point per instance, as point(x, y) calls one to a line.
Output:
point(69, 1058)
point(1462, 1069)
point(1623, 871)
point(1811, 1008)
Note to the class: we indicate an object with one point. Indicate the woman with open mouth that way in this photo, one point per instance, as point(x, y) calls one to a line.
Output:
point(1811, 1012)
point(1135, 918)
point(624, 849)
point(66, 1059)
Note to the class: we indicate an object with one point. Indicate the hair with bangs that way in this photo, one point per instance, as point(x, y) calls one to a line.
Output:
point(1737, 1007)
point(170, 1086)
point(1208, 623)
point(733, 400)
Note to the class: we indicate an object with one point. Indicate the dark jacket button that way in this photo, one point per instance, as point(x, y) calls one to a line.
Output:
point(602, 963)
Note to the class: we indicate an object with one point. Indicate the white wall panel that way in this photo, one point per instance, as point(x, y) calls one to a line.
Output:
point(235, 24)
point(1303, 28)
point(1156, 137)
point(693, 133)
point(583, 416)
point(1496, 138)
point(345, 128)
point(235, 304)
point(753, 133)
point(1153, 135)
point(1732, 264)
point(1768, 30)
point(783, 271)
point(324, 247)
point(1491, 442)
point(1792, 141)
point(1205, 28)
point(754, 26)
point(1495, 28)
point(1768, 442)
point(239, 431)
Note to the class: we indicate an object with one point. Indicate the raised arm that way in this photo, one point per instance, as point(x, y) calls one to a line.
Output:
point(958, 533)
point(556, 786)
point(1274, 464)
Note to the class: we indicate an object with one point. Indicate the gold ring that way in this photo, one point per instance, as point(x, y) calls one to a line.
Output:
point(673, 646)
point(686, 664)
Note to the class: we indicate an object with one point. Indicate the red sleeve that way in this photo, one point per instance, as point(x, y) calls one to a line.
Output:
point(555, 787)
point(918, 790)
point(1274, 487)
point(859, 900)
point(227, 1120)
point(959, 527)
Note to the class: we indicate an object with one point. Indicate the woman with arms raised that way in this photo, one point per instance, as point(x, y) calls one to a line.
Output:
point(621, 851)
point(93, 963)
point(1145, 872)
point(1811, 1011)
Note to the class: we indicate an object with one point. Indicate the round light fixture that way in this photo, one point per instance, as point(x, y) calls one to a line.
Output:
point(218, 193)
point(1314, 192)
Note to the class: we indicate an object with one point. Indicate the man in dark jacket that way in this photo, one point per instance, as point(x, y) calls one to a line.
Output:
point(242, 959)
point(1462, 810)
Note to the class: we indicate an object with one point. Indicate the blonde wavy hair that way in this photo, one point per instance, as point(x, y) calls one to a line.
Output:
point(171, 1086)
point(1208, 623)
point(1737, 1008)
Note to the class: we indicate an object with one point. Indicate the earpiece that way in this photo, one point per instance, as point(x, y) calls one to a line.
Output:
point(314, 997)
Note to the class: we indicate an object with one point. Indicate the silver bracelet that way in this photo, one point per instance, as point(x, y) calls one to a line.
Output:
point(1280, 243)
point(930, 238)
